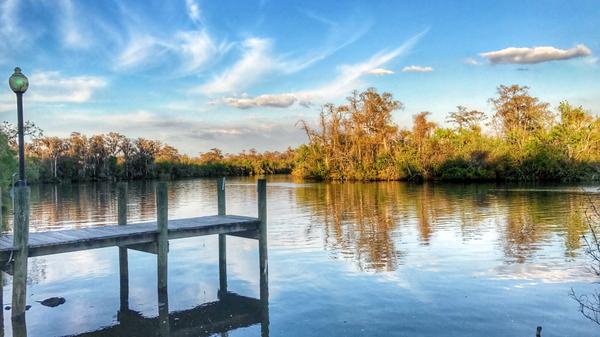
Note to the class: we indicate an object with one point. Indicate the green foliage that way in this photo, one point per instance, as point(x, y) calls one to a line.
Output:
point(8, 162)
point(114, 156)
point(530, 146)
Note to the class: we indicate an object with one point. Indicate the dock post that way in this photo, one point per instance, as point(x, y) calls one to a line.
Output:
point(162, 220)
point(123, 258)
point(20, 242)
point(1, 204)
point(1, 304)
point(261, 189)
point(222, 239)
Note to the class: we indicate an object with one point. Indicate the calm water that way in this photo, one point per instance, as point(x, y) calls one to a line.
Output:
point(380, 259)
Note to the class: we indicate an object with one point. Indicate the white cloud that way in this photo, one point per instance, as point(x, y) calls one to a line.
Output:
point(258, 61)
point(535, 54)
point(138, 51)
point(72, 31)
point(274, 101)
point(194, 49)
point(348, 79)
point(255, 63)
point(51, 86)
point(8, 19)
point(472, 61)
point(197, 48)
point(417, 69)
point(380, 71)
point(193, 10)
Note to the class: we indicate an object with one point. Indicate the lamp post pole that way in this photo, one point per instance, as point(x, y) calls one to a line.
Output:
point(19, 84)
point(22, 179)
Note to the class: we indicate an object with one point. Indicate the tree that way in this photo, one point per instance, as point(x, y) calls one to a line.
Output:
point(517, 110)
point(11, 132)
point(577, 134)
point(422, 129)
point(168, 153)
point(466, 119)
point(52, 148)
point(212, 156)
point(8, 162)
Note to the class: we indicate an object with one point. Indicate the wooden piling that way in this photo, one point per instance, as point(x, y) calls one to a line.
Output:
point(1, 204)
point(222, 238)
point(1, 304)
point(261, 188)
point(20, 242)
point(162, 207)
point(123, 256)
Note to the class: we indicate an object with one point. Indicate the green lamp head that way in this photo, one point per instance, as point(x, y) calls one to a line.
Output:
point(18, 82)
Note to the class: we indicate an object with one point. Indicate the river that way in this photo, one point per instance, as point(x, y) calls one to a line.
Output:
point(351, 259)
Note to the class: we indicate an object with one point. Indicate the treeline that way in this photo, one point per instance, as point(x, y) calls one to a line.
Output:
point(524, 141)
point(115, 157)
point(528, 142)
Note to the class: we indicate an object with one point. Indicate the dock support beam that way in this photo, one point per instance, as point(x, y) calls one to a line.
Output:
point(20, 242)
point(261, 189)
point(123, 258)
point(162, 220)
point(222, 210)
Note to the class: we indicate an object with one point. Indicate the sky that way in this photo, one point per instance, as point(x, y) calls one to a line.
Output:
point(235, 75)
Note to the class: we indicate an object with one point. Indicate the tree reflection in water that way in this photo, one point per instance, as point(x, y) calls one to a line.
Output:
point(366, 222)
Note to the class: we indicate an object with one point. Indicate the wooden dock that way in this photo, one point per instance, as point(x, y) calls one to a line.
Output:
point(150, 237)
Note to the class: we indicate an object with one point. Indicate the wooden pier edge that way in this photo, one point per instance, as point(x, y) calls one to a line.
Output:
point(139, 237)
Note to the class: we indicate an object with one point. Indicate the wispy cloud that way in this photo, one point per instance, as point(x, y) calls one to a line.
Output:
point(193, 10)
point(73, 35)
point(535, 54)
point(417, 69)
point(194, 50)
point(472, 61)
point(348, 79)
point(255, 62)
point(273, 101)
point(52, 86)
point(259, 61)
point(380, 71)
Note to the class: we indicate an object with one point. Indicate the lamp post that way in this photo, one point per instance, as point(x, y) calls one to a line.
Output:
point(19, 84)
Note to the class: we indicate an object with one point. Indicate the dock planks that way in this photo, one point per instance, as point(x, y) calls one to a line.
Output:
point(72, 240)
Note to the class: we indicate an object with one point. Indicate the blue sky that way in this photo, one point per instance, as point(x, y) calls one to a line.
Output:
point(199, 74)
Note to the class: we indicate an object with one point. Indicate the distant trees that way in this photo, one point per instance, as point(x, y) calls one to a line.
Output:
point(114, 156)
point(359, 141)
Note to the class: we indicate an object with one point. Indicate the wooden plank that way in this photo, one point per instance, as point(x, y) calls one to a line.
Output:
point(71, 240)
point(149, 247)
point(249, 234)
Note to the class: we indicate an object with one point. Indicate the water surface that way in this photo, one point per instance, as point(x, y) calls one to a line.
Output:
point(353, 259)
